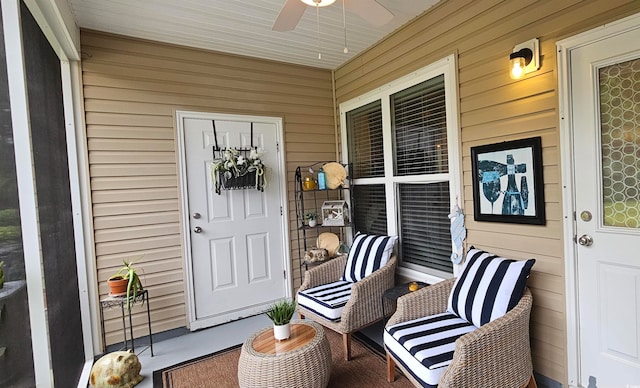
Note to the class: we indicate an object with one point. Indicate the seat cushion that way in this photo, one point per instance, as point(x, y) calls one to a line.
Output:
point(327, 300)
point(425, 346)
point(488, 287)
point(367, 254)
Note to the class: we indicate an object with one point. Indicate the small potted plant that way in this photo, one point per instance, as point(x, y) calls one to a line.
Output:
point(311, 218)
point(280, 314)
point(126, 282)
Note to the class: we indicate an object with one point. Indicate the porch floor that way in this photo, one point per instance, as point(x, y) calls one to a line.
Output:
point(195, 344)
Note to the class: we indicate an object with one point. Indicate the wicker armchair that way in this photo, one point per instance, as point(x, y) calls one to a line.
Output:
point(496, 354)
point(364, 306)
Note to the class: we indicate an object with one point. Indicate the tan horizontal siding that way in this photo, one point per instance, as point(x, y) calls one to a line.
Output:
point(126, 247)
point(120, 221)
point(133, 206)
point(132, 89)
point(110, 196)
point(494, 108)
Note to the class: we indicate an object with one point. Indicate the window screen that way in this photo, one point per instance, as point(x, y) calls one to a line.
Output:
point(419, 123)
point(365, 140)
point(424, 226)
point(55, 216)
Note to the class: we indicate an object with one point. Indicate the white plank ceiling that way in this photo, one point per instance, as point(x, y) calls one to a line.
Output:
point(244, 27)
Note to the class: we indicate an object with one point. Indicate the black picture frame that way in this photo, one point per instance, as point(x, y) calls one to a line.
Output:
point(508, 185)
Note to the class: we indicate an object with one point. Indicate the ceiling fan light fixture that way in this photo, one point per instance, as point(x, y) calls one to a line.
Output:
point(318, 3)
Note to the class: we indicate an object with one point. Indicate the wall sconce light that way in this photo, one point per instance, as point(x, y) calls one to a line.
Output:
point(524, 59)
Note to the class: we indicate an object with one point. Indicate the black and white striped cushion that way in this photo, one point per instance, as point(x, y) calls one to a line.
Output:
point(488, 287)
point(425, 346)
point(327, 300)
point(367, 254)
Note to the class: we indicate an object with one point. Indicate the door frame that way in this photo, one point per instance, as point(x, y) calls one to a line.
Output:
point(184, 198)
point(564, 49)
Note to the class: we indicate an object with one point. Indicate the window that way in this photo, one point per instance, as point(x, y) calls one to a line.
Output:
point(403, 145)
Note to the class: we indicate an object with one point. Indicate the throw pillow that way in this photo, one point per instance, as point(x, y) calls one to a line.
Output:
point(367, 254)
point(488, 287)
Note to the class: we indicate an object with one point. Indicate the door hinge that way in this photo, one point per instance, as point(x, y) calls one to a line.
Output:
point(284, 273)
point(277, 147)
point(281, 211)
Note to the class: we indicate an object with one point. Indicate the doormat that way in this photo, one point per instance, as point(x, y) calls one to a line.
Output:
point(367, 368)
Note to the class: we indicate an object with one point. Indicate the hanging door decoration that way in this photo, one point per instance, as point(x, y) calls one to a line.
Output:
point(237, 168)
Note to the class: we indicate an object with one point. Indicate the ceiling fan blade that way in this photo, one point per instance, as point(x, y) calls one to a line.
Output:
point(371, 11)
point(289, 15)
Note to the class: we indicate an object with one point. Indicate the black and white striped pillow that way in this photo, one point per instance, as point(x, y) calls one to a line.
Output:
point(488, 287)
point(367, 254)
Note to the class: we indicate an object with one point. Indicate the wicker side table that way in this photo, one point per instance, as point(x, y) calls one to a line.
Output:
point(304, 360)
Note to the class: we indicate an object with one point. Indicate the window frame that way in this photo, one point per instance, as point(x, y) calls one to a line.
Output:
point(448, 68)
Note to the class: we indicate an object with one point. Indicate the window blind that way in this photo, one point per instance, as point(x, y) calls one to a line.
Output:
point(370, 209)
point(420, 128)
point(365, 140)
point(424, 225)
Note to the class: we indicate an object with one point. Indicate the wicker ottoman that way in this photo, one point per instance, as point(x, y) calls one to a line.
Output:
point(304, 360)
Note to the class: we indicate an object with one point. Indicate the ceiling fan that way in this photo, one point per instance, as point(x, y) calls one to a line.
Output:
point(369, 10)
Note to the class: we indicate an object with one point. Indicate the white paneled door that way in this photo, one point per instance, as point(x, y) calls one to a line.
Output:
point(236, 238)
point(605, 104)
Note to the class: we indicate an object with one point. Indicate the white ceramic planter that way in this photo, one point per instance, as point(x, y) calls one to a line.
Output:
point(313, 223)
point(282, 332)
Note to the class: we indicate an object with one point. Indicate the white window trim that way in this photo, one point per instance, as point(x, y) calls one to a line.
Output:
point(448, 68)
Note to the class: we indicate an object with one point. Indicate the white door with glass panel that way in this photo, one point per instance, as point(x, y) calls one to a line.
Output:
point(605, 95)
point(237, 254)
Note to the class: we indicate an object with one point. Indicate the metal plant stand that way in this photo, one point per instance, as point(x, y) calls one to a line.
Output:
point(115, 301)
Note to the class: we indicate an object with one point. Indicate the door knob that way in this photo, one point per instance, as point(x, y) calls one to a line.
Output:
point(196, 215)
point(585, 240)
point(197, 229)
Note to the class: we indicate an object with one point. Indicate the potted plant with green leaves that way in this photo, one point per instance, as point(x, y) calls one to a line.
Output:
point(126, 282)
point(312, 218)
point(280, 314)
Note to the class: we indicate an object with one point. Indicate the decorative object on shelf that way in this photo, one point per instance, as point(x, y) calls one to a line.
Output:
point(312, 218)
point(496, 194)
point(237, 168)
point(335, 175)
point(130, 276)
point(309, 184)
point(343, 249)
point(330, 242)
point(314, 255)
point(121, 367)
point(335, 213)
point(322, 183)
point(280, 314)
point(413, 286)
